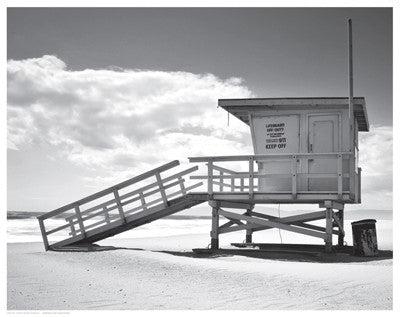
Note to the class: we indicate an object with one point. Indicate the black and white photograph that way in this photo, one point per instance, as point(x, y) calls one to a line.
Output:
point(203, 156)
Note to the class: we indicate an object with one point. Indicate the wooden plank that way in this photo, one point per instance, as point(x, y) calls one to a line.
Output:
point(110, 189)
point(247, 226)
point(313, 227)
point(120, 210)
point(44, 235)
point(221, 184)
point(162, 189)
point(236, 205)
point(311, 216)
point(272, 224)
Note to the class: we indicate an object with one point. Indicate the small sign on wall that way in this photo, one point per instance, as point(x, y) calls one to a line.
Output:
point(276, 134)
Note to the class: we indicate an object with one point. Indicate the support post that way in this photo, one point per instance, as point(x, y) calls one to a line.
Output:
point(214, 225)
point(341, 235)
point(328, 237)
point(249, 232)
point(44, 234)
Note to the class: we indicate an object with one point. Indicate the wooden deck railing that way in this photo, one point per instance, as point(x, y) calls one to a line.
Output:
point(218, 175)
point(114, 207)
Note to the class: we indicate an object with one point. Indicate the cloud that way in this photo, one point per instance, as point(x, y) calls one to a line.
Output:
point(120, 118)
point(376, 161)
point(120, 122)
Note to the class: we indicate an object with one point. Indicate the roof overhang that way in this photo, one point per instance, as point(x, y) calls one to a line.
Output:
point(240, 108)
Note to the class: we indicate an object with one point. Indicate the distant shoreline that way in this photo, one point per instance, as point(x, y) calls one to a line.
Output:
point(350, 214)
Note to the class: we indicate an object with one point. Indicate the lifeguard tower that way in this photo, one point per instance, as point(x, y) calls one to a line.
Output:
point(305, 151)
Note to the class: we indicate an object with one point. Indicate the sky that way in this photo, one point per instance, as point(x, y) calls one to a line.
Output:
point(95, 96)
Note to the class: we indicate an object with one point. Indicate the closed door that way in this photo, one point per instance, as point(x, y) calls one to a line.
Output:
point(323, 137)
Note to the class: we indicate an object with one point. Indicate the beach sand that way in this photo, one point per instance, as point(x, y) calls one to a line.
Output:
point(138, 275)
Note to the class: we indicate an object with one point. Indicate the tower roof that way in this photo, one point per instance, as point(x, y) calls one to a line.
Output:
point(240, 108)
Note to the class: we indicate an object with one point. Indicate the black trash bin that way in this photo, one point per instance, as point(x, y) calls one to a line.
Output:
point(364, 238)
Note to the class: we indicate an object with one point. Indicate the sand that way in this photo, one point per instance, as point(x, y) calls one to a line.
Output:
point(139, 276)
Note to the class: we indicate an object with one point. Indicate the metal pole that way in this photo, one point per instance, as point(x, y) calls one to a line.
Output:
point(351, 112)
point(351, 104)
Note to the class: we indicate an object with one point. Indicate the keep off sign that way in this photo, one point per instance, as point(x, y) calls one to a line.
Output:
point(276, 134)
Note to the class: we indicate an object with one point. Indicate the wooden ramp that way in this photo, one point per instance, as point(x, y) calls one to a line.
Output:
point(130, 204)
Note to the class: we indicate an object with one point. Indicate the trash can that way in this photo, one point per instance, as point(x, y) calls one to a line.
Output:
point(364, 238)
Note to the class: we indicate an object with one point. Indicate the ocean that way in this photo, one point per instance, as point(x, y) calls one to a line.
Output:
point(24, 227)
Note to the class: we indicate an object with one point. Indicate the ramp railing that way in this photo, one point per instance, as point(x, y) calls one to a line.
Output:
point(112, 206)
point(224, 181)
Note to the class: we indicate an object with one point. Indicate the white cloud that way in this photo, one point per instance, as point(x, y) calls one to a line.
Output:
point(118, 119)
point(376, 161)
point(121, 122)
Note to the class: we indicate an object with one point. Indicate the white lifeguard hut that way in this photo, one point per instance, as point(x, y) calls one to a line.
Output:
point(305, 152)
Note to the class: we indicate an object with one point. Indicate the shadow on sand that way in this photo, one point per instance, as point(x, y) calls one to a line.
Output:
point(281, 252)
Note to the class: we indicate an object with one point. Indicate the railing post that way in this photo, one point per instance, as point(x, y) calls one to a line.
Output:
point(340, 176)
point(162, 189)
point(251, 177)
point(210, 179)
point(143, 201)
point(119, 205)
point(221, 180)
point(72, 226)
point(241, 184)
point(44, 235)
point(80, 221)
point(182, 185)
point(294, 176)
point(232, 183)
point(106, 215)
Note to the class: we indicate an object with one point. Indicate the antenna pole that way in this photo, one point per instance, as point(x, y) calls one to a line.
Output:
point(352, 159)
point(351, 102)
